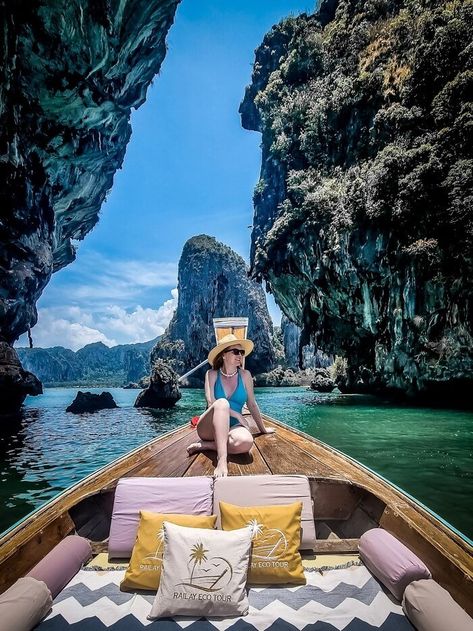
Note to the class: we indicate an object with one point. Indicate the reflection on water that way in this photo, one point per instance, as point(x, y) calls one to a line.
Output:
point(427, 452)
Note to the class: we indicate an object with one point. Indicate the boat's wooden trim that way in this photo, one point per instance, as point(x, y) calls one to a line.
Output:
point(348, 499)
point(24, 539)
point(448, 556)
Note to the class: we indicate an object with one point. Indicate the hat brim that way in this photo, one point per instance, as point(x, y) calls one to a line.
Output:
point(247, 345)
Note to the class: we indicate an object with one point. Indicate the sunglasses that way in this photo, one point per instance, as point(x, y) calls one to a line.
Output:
point(236, 351)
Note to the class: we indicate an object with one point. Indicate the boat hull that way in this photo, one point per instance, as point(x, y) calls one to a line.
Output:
point(349, 499)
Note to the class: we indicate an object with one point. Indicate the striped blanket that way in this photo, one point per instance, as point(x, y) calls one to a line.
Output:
point(345, 599)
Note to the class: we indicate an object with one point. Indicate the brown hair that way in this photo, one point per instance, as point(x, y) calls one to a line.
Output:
point(218, 361)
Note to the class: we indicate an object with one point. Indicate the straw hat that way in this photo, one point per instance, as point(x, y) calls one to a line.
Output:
point(226, 342)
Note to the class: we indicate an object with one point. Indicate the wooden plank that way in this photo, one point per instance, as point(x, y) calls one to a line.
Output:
point(173, 461)
point(248, 464)
point(28, 555)
point(334, 500)
point(310, 456)
point(336, 546)
point(284, 457)
point(147, 465)
point(241, 464)
point(202, 465)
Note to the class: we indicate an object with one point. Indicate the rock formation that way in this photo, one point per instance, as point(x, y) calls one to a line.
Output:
point(94, 364)
point(15, 382)
point(284, 377)
point(363, 212)
point(213, 282)
point(71, 72)
point(322, 382)
point(163, 389)
point(87, 402)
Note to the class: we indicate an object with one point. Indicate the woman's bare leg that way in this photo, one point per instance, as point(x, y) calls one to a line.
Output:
point(201, 445)
point(213, 430)
point(240, 440)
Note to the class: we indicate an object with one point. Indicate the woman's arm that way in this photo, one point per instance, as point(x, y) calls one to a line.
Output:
point(209, 387)
point(253, 406)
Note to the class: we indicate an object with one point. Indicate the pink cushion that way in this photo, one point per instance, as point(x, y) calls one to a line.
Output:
point(63, 562)
point(188, 496)
point(24, 604)
point(390, 561)
point(268, 490)
point(431, 608)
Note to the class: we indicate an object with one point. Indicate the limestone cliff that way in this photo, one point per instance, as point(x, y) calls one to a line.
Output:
point(213, 283)
point(363, 212)
point(71, 72)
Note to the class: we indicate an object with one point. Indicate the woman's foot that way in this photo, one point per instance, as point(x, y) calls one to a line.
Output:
point(221, 470)
point(194, 448)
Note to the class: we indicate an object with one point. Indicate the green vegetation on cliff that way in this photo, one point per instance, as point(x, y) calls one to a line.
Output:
point(363, 212)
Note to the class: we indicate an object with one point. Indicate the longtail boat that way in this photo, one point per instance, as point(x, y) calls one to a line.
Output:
point(348, 500)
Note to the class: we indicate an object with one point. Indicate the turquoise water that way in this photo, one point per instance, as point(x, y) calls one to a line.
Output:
point(427, 452)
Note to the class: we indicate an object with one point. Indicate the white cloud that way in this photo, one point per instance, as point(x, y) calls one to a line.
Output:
point(54, 331)
point(73, 327)
point(141, 324)
point(99, 281)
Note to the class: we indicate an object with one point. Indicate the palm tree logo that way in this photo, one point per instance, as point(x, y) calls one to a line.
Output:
point(207, 573)
point(197, 555)
point(158, 552)
point(255, 528)
point(268, 543)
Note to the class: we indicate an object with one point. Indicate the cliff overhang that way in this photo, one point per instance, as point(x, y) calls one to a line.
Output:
point(71, 73)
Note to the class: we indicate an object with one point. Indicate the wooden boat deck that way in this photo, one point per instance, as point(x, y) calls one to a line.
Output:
point(278, 453)
point(348, 499)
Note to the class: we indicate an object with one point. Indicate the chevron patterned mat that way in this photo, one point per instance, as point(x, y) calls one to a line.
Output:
point(347, 599)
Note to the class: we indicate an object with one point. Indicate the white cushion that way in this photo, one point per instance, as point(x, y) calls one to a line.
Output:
point(203, 572)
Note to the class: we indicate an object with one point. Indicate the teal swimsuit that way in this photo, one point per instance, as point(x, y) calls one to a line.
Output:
point(237, 400)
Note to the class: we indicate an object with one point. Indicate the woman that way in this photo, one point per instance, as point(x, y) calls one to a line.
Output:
point(228, 387)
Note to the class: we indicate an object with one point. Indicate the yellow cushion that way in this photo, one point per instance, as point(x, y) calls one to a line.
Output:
point(144, 570)
point(275, 557)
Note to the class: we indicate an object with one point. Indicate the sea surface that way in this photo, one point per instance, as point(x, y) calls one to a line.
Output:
point(427, 452)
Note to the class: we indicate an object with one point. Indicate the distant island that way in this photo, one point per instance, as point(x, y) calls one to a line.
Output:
point(93, 365)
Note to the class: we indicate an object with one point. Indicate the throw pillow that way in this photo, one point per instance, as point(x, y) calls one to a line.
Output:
point(276, 536)
point(144, 570)
point(204, 573)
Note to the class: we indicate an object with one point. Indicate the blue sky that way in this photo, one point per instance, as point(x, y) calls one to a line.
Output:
point(190, 168)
